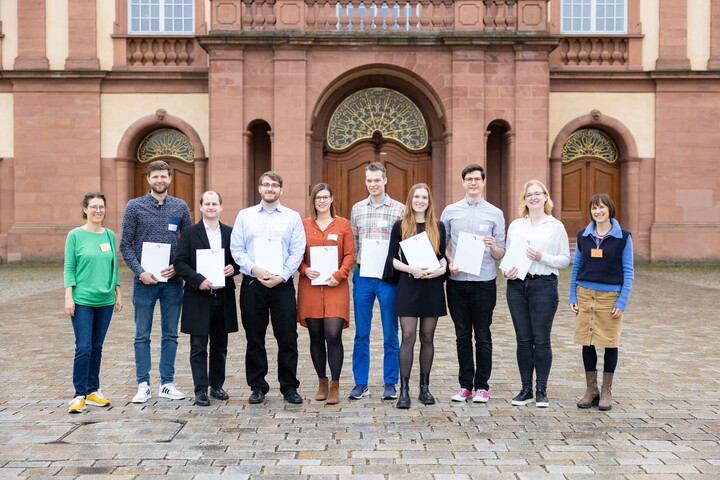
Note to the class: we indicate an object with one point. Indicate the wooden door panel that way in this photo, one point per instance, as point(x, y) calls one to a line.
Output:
point(581, 179)
point(182, 184)
point(345, 172)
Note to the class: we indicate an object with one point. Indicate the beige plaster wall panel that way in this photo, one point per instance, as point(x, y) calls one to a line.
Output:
point(650, 18)
point(56, 25)
point(7, 125)
point(698, 27)
point(635, 110)
point(105, 20)
point(119, 111)
point(8, 16)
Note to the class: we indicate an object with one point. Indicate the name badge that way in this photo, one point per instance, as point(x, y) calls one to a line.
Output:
point(332, 236)
point(596, 253)
point(105, 247)
point(173, 223)
point(382, 223)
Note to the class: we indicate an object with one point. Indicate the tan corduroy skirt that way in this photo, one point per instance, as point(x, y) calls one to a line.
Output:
point(594, 324)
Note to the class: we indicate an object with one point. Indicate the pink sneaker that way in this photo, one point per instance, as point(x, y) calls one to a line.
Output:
point(462, 395)
point(481, 396)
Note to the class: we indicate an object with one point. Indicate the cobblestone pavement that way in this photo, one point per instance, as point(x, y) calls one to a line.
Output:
point(665, 422)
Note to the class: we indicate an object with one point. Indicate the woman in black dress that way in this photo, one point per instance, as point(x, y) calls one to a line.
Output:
point(420, 293)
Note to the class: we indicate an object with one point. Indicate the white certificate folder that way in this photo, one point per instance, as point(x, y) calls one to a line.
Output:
point(325, 261)
point(154, 258)
point(516, 256)
point(419, 252)
point(211, 265)
point(268, 254)
point(373, 252)
point(469, 253)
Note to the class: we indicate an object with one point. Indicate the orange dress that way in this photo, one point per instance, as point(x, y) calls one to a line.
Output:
point(321, 301)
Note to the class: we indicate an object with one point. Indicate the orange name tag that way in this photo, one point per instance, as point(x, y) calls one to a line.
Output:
point(596, 253)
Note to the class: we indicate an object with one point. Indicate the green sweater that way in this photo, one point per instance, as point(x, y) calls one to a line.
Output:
point(91, 267)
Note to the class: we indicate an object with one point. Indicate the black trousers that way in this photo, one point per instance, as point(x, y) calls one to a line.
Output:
point(471, 307)
point(218, 338)
point(259, 306)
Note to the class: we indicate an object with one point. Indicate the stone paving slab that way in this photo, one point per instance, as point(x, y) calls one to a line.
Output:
point(665, 423)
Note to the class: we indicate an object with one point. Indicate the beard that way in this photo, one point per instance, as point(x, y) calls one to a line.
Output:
point(159, 190)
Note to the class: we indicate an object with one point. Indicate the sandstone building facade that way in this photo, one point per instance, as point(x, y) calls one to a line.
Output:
point(620, 96)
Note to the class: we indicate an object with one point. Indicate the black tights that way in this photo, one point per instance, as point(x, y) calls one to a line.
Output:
point(322, 331)
point(407, 348)
point(590, 359)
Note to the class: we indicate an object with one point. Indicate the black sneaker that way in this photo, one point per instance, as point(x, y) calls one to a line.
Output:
point(524, 397)
point(541, 399)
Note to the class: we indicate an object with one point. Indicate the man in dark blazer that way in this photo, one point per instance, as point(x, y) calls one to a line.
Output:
point(209, 311)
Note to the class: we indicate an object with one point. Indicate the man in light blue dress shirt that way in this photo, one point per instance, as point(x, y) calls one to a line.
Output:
point(269, 296)
point(471, 298)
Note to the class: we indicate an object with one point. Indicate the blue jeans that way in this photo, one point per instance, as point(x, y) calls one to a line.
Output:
point(365, 290)
point(90, 325)
point(170, 295)
point(533, 303)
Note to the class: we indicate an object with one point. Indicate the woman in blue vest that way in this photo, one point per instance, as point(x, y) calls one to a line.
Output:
point(602, 277)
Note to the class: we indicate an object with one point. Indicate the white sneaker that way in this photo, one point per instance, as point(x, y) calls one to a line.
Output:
point(168, 390)
point(143, 393)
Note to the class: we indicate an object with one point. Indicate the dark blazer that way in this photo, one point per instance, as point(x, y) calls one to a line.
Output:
point(197, 303)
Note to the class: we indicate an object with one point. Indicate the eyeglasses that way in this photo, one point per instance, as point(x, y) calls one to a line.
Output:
point(274, 186)
point(473, 179)
point(323, 198)
point(534, 194)
point(96, 208)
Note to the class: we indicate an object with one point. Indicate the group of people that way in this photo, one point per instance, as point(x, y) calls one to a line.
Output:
point(409, 295)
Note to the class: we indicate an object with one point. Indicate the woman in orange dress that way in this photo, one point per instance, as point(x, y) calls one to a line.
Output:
point(325, 309)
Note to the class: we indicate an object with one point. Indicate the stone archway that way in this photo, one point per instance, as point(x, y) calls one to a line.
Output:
point(125, 162)
point(628, 162)
point(404, 165)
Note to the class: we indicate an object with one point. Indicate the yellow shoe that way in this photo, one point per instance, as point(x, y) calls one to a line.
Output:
point(77, 405)
point(97, 399)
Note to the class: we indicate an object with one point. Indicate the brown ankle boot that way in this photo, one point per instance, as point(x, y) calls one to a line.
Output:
point(606, 392)
point(322, 391)
point(592, 394)
point(333, 393)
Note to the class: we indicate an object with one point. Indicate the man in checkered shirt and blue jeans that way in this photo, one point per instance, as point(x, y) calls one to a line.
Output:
point(374, 218)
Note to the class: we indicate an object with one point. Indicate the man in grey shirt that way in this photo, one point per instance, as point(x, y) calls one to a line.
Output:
point(471, 298)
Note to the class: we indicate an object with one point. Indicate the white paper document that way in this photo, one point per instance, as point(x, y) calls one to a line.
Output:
point(469, 253)
point(418, 252)
point(516, 256)
point(268, 254)
point(154, 258)
point(373, 253)
point(211, 265)
point(325, 261)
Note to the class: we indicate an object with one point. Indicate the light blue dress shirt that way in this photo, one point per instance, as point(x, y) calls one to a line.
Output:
point(255, 222)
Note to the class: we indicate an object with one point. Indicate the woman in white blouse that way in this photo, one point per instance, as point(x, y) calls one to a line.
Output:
point(533, 300)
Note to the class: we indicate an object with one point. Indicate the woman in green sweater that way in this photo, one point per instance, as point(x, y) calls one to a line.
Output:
point(92, 293)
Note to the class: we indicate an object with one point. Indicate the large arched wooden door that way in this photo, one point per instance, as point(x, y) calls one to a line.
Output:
point(345, 172)
point(173, 147)
point(584, 175)
point(375, 125)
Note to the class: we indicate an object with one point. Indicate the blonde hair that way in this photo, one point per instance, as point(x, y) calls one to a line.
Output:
point(409, 225)
point(523, 210)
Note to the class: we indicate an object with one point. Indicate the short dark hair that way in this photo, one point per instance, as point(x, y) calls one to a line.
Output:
point(159, 165)
point(89, 196)
point(274, 176)
point(211, 191)
point(603, 199)
point(376, 167)
point(473, 167)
